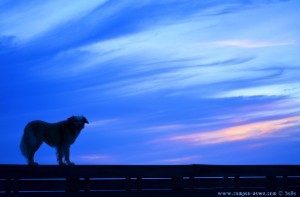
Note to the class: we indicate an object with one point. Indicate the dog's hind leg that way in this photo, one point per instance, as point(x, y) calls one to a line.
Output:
point(29, 144)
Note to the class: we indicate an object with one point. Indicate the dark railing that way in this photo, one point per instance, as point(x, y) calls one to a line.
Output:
point(150, 180)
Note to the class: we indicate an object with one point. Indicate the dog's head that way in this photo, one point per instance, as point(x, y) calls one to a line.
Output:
point(78, 121)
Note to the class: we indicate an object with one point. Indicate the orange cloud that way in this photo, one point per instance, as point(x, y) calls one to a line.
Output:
point(241, 132)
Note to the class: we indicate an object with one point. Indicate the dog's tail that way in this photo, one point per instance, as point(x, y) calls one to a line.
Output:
point(28, 141)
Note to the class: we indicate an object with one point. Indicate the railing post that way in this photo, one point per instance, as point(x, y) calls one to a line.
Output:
point(236, 182)
point(271, 182)
point(86, 182)
point(8, 185)
point(192, 183)
point(225, 182)
point(128, 184)
point(71, 182)
point(139, 184)
point(177, 181)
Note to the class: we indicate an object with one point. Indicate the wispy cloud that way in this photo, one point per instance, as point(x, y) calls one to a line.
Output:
point(190, 77)
point(95, 157)
point(181, 160)
point(281, 108)
point(100, 123)
point(251, 44)
point(249, 131)
point(291, 89)
point(32, 19)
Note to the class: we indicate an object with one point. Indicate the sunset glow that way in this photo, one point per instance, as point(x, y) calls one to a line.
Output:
point(257, 130)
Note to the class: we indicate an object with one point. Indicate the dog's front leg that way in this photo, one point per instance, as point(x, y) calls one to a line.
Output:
point(67, 155)
point(60, 153)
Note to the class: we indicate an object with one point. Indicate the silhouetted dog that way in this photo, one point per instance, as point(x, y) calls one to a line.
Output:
point(59, 135)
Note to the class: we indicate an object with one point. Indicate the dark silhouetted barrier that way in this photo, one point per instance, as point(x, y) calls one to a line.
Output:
point(150, 180)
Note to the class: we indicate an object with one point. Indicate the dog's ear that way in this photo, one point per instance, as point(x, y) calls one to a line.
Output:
point(85, 120)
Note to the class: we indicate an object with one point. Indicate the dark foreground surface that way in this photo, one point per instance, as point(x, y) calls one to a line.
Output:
point(150, 180)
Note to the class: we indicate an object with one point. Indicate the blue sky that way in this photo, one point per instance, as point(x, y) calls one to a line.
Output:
point(161, 82)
